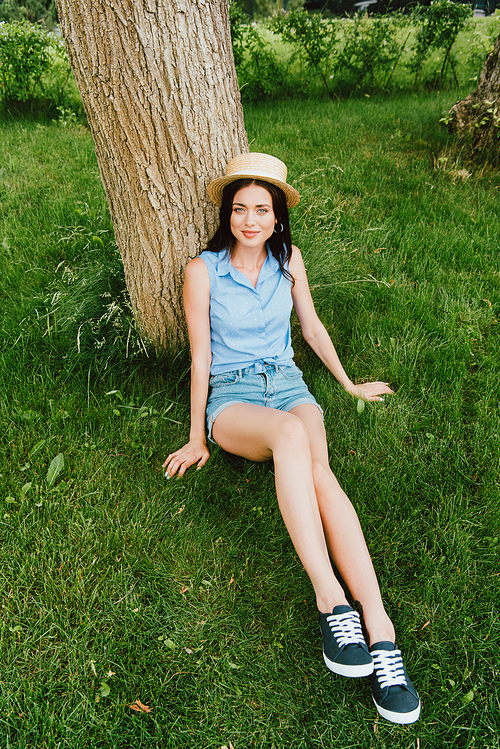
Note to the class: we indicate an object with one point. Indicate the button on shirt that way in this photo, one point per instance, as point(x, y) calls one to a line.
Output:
point(250, 327)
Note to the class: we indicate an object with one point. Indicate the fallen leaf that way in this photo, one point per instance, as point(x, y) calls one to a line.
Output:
point(139, 707)
point(55, 469)
point(104, 689)
point(232, 580)
point(185, 589)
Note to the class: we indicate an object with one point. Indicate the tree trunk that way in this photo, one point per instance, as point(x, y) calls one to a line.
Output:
point(477, 117)
point(159, 87)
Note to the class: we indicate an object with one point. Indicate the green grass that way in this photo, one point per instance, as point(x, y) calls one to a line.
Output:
point(187, 594)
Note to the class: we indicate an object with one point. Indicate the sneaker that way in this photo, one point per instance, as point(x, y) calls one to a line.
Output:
point(344, 648)
point(394, 695)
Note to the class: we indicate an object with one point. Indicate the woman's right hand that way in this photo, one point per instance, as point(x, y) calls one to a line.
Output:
point(195, 451)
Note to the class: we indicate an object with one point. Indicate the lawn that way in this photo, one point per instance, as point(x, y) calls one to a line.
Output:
point(118, 586)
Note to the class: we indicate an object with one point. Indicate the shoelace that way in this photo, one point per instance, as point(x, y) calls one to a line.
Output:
point(388, 667)
point(346, 628)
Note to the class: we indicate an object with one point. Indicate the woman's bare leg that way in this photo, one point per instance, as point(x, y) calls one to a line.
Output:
point(343, 532)
point(260, 433)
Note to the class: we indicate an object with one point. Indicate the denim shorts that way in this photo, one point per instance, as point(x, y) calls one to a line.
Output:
point(280, 387)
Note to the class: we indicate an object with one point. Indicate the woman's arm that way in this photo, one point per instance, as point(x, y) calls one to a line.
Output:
point(196, 307)
point(317, 337)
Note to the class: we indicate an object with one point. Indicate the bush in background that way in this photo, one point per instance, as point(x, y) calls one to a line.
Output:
point(34, 11)
point(372, 48)
point(25, 55)
point(34, 70)
point(296, 52)
point(438, 26)
point(261, 72)
point(312, 37)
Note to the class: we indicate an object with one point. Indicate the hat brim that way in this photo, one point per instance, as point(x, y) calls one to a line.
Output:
point(216, 188)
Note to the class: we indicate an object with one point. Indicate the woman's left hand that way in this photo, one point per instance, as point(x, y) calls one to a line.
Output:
point(370, 391)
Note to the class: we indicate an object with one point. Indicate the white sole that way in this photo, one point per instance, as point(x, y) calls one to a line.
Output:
point(401, 718)
point(353, 671)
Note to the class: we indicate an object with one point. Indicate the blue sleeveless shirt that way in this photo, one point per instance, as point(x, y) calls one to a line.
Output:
point(250, 327)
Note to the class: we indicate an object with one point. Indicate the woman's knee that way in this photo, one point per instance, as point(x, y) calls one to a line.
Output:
point(291, 434)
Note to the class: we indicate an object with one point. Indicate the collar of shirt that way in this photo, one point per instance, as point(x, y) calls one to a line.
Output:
point(225, 267)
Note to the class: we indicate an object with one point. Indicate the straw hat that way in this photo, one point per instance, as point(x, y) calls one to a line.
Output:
point(254, 166)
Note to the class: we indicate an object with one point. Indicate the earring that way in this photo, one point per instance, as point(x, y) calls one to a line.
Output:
point(280, 231)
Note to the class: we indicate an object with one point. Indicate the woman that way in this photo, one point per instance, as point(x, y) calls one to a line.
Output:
point(238, 296)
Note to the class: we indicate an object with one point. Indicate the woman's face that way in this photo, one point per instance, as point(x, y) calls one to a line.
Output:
point(252, 217)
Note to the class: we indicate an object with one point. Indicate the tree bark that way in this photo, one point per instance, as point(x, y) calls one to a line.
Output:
point(159, 87)
point(477, 117)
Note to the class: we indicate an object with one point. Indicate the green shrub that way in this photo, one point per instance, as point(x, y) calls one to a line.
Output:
point(35, 11)
point(25, 55)
point(307, 54)
point(35, 71)
point(264, 72)
point(312, 36)
point(371, 47)
point(239, 21)
point(261, 73)
point(438, 26)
